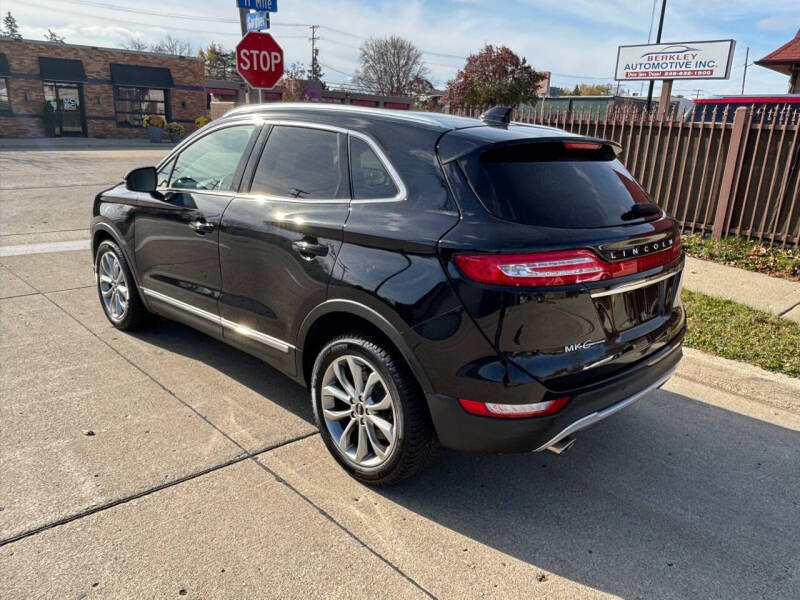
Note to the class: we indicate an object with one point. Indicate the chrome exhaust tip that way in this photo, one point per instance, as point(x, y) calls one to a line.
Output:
point(561, 446)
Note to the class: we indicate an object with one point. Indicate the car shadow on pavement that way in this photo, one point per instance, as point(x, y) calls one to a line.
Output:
point(241, 367)
point(670, 498)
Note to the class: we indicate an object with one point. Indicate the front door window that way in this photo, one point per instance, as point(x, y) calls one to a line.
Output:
point(65, 98)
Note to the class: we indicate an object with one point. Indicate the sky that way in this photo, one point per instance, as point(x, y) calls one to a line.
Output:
point(576, 40)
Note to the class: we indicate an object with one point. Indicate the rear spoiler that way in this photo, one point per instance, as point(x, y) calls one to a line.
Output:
point(460, 142)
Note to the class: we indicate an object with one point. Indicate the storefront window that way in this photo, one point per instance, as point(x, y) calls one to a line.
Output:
point(132, 104)
point(4, 103)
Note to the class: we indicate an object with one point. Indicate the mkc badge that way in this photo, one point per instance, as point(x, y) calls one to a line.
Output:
point(582, 346)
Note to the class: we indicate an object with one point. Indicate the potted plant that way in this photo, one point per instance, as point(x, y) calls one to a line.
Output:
point(49, 118)
point(175, 131)
point(155, 127)
point(201, 121)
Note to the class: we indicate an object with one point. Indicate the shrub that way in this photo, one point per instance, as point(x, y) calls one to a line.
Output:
point(154, 121)
point(175, 129)
point(202, 121)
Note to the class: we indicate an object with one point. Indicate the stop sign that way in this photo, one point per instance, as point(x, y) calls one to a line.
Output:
point(259, 60)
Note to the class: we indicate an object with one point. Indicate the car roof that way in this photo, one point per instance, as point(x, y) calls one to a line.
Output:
point(441, 121)
point(452, 135)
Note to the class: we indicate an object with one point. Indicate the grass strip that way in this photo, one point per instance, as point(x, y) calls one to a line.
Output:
point(746, 254)
point(738, 332)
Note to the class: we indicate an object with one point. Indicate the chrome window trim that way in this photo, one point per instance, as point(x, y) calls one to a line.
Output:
point(265, 339)
point(400, 196)
point(635, 285)
point(599, 415)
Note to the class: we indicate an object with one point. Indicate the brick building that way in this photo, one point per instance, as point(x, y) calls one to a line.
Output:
point(97, 92)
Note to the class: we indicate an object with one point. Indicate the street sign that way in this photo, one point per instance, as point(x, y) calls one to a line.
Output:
point(257, 21)
point(265, 5)
point(684, 60)
point(259, 60)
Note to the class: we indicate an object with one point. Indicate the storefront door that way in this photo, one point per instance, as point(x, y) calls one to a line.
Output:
point(67, 98)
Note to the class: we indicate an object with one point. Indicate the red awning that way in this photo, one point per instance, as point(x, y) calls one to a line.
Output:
point(221, 91)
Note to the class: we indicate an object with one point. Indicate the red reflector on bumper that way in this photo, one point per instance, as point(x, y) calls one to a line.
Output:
point(513, 411)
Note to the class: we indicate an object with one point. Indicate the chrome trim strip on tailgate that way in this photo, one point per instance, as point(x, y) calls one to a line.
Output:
point(627, 287)
point(599, 415)
point(265, 339)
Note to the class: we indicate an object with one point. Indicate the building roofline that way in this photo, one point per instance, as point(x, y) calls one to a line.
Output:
point(125, 50)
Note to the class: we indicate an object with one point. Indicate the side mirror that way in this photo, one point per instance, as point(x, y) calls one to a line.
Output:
point(143, 179)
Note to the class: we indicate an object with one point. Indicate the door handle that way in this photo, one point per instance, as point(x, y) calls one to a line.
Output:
point(310, 248)
point(201, 226)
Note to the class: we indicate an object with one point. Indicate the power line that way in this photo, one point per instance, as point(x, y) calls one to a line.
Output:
point(171, 15)
point(157, 26)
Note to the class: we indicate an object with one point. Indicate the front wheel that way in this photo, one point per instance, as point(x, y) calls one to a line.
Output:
point(117, 290)
point(370, 411)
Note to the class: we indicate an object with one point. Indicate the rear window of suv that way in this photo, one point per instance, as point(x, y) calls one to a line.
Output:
point(544, 184)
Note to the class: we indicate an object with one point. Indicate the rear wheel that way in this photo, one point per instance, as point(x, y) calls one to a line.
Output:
point(370, 411)
point(117, 291)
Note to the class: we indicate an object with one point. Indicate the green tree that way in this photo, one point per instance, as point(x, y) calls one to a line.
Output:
point(10, 29)
point(52, 36)
point(494, 76)
point(589, 89)
point(315, 70)
point(219, 62)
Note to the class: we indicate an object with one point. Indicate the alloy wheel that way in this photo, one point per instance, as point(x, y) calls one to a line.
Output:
point(359, 411)
point(113, 286)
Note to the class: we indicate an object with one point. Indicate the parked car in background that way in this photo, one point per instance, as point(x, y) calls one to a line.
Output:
point(479, 284)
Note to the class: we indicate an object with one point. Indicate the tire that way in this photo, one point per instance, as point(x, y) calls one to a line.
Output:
point(414, 441)
point(109, 261)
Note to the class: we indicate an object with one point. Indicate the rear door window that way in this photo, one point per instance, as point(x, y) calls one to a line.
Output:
point(302, 163)
point(543, 184)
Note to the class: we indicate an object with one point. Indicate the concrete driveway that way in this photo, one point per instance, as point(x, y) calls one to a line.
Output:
point(166, 464)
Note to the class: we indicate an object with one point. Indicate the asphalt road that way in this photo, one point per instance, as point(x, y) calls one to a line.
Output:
point(165, 464)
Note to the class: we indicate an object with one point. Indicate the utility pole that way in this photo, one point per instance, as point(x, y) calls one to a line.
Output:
point(315, 72)
point(658, 41)
point(744, 75)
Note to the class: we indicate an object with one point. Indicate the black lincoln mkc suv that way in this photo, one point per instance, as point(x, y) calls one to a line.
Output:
point(480, 284)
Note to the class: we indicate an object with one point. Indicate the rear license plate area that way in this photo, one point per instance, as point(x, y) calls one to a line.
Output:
point(625, 310)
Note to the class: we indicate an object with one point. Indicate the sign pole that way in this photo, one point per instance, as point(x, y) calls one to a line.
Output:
point(658, 41)
point(253, 95)
point(666, 96)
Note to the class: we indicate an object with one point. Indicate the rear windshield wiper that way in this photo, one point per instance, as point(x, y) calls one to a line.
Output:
point(638, 211)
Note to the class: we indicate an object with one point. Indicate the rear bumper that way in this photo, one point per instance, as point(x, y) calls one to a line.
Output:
point(460, 430)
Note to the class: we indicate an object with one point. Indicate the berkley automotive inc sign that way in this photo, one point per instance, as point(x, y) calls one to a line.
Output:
point(684, 60)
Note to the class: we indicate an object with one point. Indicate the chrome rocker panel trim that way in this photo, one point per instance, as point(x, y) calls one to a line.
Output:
point(593, 418)
point(265, 339)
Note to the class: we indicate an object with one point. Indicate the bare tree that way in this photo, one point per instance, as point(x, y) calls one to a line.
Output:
point(136, 44)
point(391, 66)
point(171, 45)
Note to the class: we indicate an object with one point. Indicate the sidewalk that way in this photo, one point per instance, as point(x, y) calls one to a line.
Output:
point(80, 143)
point(771, 294)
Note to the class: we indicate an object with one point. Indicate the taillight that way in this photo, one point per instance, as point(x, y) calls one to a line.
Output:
point(513, 411)
point(544, 268)
point(563, 267)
